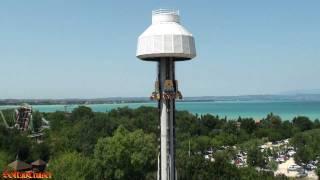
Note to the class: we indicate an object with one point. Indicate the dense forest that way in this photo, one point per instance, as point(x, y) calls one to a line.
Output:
point(123, 144)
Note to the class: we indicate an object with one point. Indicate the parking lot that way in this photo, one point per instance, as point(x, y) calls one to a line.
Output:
point(283, 169)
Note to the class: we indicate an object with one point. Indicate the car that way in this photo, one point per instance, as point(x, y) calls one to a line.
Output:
point(240, 165)
point(291, 153)
point(284, 157)
point(311, 167)
point(294, 167)
point(302, 175)
point(206, 157)
point(314, 162)
point(290, 148)
point(280, 160)
point(241, 159)
point(209, 152)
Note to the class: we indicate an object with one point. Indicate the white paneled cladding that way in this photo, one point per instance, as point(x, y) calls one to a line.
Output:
point(166, 38)
point(173, 45)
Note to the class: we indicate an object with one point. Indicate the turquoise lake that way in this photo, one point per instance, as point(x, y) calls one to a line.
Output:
point(231, 109)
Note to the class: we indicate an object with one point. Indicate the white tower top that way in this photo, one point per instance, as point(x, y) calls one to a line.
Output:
point(166, 37)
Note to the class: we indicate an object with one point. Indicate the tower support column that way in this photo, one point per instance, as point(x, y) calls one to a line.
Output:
point(167, 90)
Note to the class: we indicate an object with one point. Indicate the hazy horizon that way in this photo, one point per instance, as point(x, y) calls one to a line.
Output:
point(81, 49)
point(287, 93)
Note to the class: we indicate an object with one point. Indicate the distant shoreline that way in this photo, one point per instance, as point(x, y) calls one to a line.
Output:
point(149, 101)
point(91, 103)
point(121, 100)
point(231, 109)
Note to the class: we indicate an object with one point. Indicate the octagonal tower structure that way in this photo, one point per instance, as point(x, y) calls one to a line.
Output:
point(166, 41)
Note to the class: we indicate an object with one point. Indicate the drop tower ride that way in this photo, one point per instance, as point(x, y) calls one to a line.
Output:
point(166, 41)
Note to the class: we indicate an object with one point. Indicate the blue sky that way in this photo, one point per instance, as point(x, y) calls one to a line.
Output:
point(86, 49)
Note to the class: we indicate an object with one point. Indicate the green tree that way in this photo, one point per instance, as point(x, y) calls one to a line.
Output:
point(40, 151)
point(9, 115)
point(80, 136)
point(193, 167)
point(145, 118)
point(247, 124)
point(36, 121)
point(251, 173)
point(307, 145)
point(201, 143)
point(82, 112)
point(256, 157)
point(287, 129)
point(316, 124)
point(57, 120)
point(71, 166)
point(196, 167)
point(4, 160)
point(15, 143)
point(187, 123)
point(303, 123)
point(230, 127)
point(222, 169)
point(125, 155)
point(271, 121)
point(224, 139)
point(272, 165)
point(209, 123)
